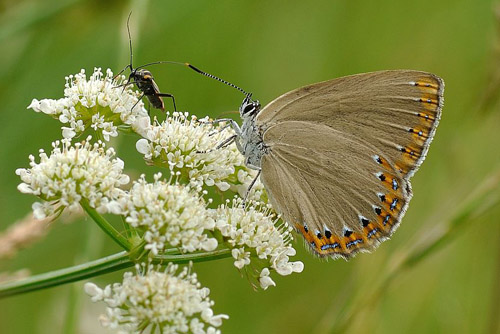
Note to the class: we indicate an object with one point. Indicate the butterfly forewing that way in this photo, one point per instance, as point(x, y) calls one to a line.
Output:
point(341, 152)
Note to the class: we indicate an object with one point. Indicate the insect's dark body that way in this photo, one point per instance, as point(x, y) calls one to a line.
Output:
point(145, 83)
point(144, 80)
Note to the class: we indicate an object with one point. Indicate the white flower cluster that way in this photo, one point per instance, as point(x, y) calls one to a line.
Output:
point(255, 229)
point(96, 103)
point(71, 173)
point(187, 145)
point(164, 213)
point(155, 301)
point(168, 215)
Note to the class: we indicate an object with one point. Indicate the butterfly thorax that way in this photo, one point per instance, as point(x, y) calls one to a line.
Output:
point(250, 141)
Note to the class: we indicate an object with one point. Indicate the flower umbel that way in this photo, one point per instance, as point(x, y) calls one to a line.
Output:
point(187, 145)
point(157, 300)
point(169, 215)
point(71, 173)
point(97, 103)
point(254, 229)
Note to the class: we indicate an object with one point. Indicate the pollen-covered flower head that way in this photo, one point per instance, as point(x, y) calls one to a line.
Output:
point(96, 103)
point(254, 229)
point(158, 301)
point(71, 173)
point(169, 214)
point(187, 145)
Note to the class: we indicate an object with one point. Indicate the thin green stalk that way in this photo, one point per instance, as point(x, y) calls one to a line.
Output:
point(94, 239)
point(99, 267)
point(67, 275)
point(105, 225)
point(194, 257)
point(73, 307)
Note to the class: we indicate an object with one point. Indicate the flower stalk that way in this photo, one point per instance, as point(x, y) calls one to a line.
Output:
point(99, 267)
point(105, 225)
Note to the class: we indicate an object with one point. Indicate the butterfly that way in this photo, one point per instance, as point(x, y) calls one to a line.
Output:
point(336, 157)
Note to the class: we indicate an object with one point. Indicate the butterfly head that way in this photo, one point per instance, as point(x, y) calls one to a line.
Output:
point(249, 107)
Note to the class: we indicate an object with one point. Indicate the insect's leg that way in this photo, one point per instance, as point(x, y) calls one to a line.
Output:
point(232, 123)
point(140, 98)
point(168, 95)
point(128, 66)
point(125, 84)
point(215, 121)
point(221, 129)
point(251, 183)
point(237, 135)
point(238, 144)
point(228, 141)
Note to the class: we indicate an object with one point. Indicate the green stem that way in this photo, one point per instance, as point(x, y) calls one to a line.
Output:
point(67, 275)
point(73, 309)
point(105, 225)
point(99, 267)
point(195, 257)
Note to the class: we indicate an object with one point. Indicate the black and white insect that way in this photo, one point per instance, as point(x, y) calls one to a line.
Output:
point(144, 80)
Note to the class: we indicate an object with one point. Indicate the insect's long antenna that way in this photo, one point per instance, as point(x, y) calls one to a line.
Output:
point(196, 70)
point(130, 41)
point(216, 78)
point(161, 62)
point(117, 75)
point(130, 47)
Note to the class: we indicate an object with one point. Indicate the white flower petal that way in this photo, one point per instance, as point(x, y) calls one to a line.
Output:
point(142, 146)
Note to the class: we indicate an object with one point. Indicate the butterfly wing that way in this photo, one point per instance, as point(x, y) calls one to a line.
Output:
point(341, 153)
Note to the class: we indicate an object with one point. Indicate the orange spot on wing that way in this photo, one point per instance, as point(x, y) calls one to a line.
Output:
point(428, 86)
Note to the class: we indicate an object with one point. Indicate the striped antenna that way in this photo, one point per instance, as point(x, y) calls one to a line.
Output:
point(217, 78)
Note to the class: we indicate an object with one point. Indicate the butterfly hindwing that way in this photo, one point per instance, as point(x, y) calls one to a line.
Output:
point(334, 197)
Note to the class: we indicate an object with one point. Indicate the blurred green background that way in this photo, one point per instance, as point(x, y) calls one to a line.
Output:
point(268, 48)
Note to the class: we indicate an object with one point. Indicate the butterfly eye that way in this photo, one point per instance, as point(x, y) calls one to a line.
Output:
point(249, 107)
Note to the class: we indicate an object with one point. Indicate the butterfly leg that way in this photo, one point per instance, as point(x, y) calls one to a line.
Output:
point(251, 183)
point(219, 130)
point(220, 120)
point(228, 141)
point(232, 123)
